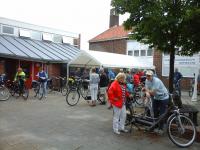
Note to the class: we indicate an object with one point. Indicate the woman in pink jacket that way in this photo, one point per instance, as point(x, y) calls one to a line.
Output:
point(117, 96)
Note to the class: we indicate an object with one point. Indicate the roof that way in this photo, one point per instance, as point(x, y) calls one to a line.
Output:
point(28, 49)
point(110, 60)
point(115, 32)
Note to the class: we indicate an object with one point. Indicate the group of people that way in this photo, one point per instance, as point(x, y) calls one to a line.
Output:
point(117, 95)
point(20, 78)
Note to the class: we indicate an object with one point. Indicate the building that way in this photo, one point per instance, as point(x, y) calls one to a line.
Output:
point(116, 40)
point(30, 47)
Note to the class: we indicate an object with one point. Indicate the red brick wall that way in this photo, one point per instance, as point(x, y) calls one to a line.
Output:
point(2, 69)
point(112, 46)
point(54, 70)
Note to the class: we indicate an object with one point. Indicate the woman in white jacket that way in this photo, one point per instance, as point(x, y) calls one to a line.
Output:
point(94, 82)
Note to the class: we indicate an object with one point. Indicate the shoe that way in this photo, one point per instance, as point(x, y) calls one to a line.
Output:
point(124, 130)
point(45, 96)
point(110, 107)
point(117, 132)
point(159, 131)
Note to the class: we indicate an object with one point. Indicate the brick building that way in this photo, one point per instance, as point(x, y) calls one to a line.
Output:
point(115, 40)
point(30, 47)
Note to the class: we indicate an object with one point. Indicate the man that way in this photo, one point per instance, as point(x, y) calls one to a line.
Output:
point(20, 78)
point(155, 88)
point(177, 77)
point(42, 77)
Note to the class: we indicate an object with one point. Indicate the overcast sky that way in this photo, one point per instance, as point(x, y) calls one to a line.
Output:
point(87, 17)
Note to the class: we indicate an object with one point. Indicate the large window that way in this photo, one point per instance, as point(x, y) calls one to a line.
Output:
point(150, 52)
point(47, 37)
point(36, 35)
point(130, 53)
point(8, 30)
point(24, 33)
point(143, 53)
point(136, 52)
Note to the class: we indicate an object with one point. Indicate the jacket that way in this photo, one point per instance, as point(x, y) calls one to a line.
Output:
point(115, 94)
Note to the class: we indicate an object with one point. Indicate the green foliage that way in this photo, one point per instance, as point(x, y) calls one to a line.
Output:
point(164, 24)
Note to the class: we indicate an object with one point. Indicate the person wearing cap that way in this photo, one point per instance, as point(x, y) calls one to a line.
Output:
point(155, 89)
point(20, 78)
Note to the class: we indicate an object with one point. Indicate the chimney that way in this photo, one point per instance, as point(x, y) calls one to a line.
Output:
point(114, 18)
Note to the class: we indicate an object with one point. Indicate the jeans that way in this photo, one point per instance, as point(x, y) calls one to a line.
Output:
point(159, 108)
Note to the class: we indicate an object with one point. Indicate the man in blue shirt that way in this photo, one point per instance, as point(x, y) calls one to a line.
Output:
point(155, 88)
point(42, 77)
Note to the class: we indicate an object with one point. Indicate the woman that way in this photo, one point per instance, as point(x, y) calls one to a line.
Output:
point(94, 81)
point(117, 95)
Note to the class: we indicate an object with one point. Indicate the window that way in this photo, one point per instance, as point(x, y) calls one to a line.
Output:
point(7, 30)
point(143, 53)
point(24, 33)
point(130, 53)
point(150, 52)
point(36, 35)
point(136, 52)
point(68, 40)
point(57, 38)
point(47, 37)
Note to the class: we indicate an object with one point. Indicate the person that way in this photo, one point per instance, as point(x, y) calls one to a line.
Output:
point(77, 73)
point(111, 75)
point(198, 83)
point(136, 79)
point(128, 76)
point(117, 96)
point(177, 77)
point(103, 83)
point(20, 79)
point(42, 77)
point(94, 82)
point(155, 88)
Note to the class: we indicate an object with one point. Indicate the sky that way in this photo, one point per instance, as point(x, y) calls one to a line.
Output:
point(87, 17)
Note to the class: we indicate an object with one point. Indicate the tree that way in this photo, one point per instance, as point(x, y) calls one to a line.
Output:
point(170, 26)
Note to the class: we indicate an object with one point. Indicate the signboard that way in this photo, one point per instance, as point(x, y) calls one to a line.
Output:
point(185, 64)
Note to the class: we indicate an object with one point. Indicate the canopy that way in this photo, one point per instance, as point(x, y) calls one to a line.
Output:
point(34, 50)
point(109, 60)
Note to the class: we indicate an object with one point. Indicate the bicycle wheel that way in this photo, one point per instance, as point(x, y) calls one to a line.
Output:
point(41, 92)
point(64, 90)
point(4, 94)
point(102, 99)
point(72, 97)
point(83, 91)
point(129, 115)
point(25, 93)
point(181, 132)
point(191, 92)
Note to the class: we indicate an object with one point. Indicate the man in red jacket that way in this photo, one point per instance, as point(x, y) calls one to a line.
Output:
point(117, 96)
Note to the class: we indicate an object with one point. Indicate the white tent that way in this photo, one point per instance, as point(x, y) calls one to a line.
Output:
point(109, 60)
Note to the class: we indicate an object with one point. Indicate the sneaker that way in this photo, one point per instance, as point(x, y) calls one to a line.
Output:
point(159, 131)
point(124, 130)
point(116, 132)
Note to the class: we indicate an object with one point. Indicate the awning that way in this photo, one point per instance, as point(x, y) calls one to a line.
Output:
point(110, 60)
point(28, 49)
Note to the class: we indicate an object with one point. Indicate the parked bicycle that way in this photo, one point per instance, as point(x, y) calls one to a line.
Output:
point(79, 89)
point(4, 91)
point(17, 91)
point(180, 129)
point(39, 88)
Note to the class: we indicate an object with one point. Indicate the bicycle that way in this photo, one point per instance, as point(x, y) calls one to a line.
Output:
point(81, 88)
point(4, 91)
point(180, 129)
point(17, 90)
point(38, 87)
